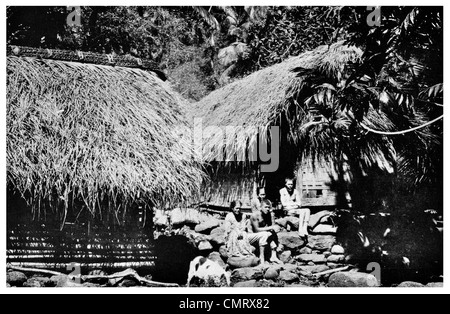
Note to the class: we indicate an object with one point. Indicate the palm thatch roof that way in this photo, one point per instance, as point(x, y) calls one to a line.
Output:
point(97, 134)
point(275, 96)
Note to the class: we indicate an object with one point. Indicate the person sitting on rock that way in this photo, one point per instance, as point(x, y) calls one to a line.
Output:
point(236, 225)
point(257, 201)
point(262, 231)
point(291, 200)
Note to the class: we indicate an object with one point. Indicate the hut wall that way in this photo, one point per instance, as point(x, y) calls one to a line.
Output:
point(32, 245)
point(39, 242)
point(314, 184)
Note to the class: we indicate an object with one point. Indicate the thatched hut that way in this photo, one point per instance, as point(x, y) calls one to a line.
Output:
point(92, 143)
point(273, 97)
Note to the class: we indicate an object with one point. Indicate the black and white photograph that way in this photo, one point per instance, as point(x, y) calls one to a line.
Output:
point(224, 148)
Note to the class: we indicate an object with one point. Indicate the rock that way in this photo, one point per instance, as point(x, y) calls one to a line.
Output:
point(352, 279)
point(15, 278)
point(336, 259)
point(315, 258)
point(287, 276)
point(8, 285)
point(207, 226)
point(63, 281)
point(305, 250)
point(435, 285)
point(247, 273)
point(223, 252)
point(311, 264)
point(313, 269)
point(324, 230)
point(318, 218)
point(45, 281)
point(327, 254)
point(272, 273)
point(246, 284)
point(337, 250)
point(231, 54)
point(218, 236)
point(91, 285)
point(129, 283)
point(215, 256)
point(33, 283)
point(285, 257)
point(204, 245)
point(290, 240)
point(298, 285)
point(290, 267)
point(321, 242)
point(410, 284)
point(242, 262)
point(333, 265)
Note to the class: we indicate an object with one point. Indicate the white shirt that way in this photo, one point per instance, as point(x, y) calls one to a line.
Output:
point(290, 201)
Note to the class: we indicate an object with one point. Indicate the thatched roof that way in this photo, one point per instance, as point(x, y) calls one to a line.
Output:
point(259, 99)
point(271, 97)
point(94, 133)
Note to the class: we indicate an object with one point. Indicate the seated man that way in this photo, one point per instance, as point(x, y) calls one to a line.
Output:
point(261, 197)
point(263, 231)
point(291, 201)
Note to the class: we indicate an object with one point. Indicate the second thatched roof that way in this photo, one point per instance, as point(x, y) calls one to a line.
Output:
point(258, 100)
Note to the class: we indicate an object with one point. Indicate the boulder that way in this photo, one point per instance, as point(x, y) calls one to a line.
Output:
point(335, 259)
point(129, 283)
point(435, 285)
point(410, 284)
point(337, 250)
point(247, 273)
point(287, 276)
point(324, 229)
point(318, 218)
point(231, 54)
point(305, 250)
point(33, 283)
point(218, 237)
point(16, 278)
point(315, 258)
point(290, 267)
point(215, 256)
point(333, 265)
point(321, 242)
point(313, 269)
point(298, 285)
point(285, 257)
point(204, 245)
point(352, 279)
point(290, 240)
point(63, 281)
point(272, 273)
point(223, 252)
point(207, 226)
point(246, 284)
point(242, 261)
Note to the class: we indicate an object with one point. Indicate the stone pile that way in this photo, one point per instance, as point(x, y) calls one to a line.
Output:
point(303, 262)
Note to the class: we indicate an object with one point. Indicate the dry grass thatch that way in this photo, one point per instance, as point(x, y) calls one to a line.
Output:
point(261, 99)
point(99, 134)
